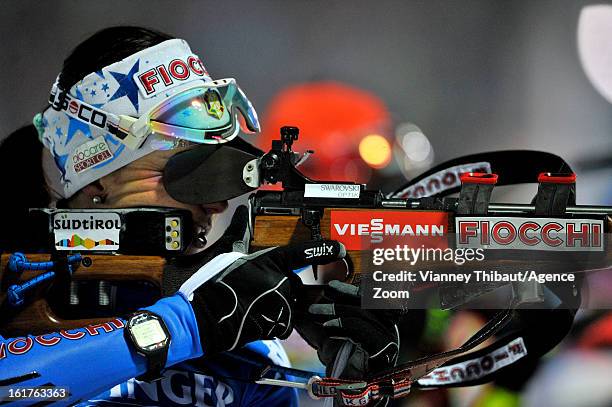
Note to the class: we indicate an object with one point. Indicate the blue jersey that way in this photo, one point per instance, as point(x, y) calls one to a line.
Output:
point(98, 366)
point(219, 383)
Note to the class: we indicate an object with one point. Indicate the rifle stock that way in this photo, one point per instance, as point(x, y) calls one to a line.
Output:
point(38, 317)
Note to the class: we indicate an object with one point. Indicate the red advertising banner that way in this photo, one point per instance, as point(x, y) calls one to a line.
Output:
point(362, 229)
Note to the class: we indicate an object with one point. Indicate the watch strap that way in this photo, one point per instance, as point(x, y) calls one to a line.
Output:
point(155, 364)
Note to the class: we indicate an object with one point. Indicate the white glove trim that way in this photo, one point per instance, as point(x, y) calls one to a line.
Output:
point(235, 302)
point(396, 344)
point(208, 271)
point(246, 314)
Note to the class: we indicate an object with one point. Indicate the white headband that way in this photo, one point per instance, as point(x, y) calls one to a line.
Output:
point(84, 152)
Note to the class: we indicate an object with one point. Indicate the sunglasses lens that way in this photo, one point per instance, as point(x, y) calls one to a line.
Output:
point(205, 114)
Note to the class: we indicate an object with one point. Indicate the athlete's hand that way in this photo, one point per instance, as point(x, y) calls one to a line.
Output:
point(338, 318)
point(240, 298)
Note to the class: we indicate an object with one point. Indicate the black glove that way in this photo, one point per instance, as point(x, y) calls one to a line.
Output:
point(338, 318)
point(241, 298)
point(254, 297)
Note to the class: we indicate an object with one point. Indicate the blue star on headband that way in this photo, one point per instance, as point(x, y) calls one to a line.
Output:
point(127, 86)
point(76, 125)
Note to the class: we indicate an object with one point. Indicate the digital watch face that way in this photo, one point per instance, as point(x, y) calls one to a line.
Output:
point(147, 332)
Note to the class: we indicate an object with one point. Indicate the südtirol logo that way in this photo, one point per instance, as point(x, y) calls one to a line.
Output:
point(86, 230)
point(90, 154)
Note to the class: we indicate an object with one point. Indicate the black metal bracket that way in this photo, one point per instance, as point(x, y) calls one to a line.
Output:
point(555, 193)
point(475, 194)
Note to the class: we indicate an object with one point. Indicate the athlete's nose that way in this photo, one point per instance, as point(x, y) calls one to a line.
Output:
point(216, 207)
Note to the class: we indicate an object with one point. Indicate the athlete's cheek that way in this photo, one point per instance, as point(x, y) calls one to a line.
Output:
point(144, 188)
point(144, 192)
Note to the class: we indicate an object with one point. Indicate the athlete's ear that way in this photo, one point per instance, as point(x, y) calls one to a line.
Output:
point(89, 196)
point(95, 189)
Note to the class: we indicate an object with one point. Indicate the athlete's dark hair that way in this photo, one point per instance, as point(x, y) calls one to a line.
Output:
point(104, 48)
point(22, 180)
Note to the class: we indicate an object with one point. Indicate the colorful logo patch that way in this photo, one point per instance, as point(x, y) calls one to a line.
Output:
point(87, 243)
point(86, 230)
point(90, 154)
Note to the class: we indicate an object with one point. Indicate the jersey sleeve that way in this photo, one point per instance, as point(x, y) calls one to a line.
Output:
point(94, 358)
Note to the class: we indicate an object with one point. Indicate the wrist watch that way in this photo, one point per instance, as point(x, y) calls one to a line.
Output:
point(150, 337)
